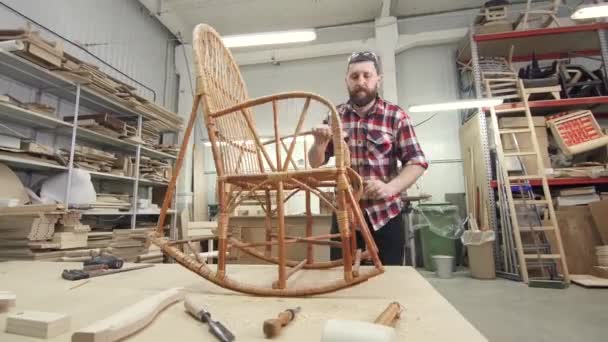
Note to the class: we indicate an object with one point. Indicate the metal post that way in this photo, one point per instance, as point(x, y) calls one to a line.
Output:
point(136, 182)
point(604, 49)
point(483, 131)
point(72, 146)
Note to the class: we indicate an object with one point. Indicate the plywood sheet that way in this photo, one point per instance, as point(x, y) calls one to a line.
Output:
point(11, 185)
point(587, 280)
point(579, 238)
point(426, 309)
point(599, 212)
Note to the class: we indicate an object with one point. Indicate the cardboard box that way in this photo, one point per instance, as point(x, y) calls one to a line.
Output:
point(525, 143)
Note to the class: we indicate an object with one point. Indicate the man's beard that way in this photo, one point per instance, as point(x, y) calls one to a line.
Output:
point(361, 96)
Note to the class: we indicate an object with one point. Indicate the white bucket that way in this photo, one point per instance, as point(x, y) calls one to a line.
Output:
point(443, 265)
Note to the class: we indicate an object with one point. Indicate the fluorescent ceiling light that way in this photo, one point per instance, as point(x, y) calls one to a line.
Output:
point(268, 38)
point(455, 105)
point(590, 11)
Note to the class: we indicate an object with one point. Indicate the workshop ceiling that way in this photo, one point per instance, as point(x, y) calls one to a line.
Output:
point(246, 16)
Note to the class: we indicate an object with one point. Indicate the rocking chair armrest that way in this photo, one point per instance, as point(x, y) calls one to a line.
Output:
point(340, 149)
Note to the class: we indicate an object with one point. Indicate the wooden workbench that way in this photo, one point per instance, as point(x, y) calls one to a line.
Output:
point(38, 285)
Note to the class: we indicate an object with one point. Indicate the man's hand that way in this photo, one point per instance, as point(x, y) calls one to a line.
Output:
point(377, 189)
point(322, 134)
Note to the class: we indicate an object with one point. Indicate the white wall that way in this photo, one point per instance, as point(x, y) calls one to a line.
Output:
point(428, 75)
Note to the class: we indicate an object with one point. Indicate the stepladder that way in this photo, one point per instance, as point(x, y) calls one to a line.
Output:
point(532, 247)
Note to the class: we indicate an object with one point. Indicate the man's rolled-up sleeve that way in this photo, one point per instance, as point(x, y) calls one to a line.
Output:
point(408, 149)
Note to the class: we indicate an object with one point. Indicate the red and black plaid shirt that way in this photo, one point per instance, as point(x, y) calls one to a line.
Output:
point(377, 142)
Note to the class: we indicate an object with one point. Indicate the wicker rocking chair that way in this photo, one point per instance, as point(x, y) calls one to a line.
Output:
point(245, 166)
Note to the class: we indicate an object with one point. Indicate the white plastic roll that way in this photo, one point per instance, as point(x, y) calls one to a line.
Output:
point(12, 45)
point(355, 331)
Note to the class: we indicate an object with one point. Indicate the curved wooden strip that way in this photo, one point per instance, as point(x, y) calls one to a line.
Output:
point(230, 284)
point(291, 263)
point(129, 320)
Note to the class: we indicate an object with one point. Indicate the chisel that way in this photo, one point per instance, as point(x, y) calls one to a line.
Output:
point(216, 328)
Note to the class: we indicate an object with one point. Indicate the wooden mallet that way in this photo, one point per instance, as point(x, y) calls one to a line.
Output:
point(272, 327)
point(356, 331)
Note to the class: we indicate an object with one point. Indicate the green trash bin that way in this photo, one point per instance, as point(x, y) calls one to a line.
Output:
point(439, 228)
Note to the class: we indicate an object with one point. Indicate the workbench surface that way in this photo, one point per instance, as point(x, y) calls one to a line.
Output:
point(39, 286)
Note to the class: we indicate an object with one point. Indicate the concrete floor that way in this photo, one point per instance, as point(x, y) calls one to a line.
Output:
point(505, 310)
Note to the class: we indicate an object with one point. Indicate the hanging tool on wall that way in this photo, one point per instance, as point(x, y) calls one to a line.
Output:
point(216, 328)
point(272, 327)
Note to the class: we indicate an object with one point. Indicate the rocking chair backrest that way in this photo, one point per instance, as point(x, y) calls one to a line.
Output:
point(235, 142)
point(220, 83)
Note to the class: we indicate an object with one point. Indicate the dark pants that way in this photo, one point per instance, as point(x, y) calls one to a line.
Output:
point(390, 240)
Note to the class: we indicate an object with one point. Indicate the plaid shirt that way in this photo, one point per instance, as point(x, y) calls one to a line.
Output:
point(377, 142)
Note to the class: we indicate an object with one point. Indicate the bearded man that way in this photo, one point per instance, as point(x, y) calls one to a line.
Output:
point(384, 151)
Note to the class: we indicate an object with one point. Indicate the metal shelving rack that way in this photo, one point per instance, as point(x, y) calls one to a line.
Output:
point(546, 43)
point(47, 82)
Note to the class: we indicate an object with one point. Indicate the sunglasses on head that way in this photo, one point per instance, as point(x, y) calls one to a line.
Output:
point(365, 54)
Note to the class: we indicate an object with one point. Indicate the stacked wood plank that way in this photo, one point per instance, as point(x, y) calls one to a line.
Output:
point(152, 256)
point(111, 202)
point(92, 159)
point(99, 240)
point(127, 244)
point(150, 133)
point(106, 124)
point(50, 55)
point(39, 232)
point(36, 49)
point(170, 149)
point(123, 166)
point(31, 106)
point(36, 151)
point(154, 170)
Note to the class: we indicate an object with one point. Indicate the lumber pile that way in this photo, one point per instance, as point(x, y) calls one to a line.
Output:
point(123, 166)
point(128, 244)
point(104, 123)
point(36, 49)
point(92, 159)
point(170, 149)
point(577, 196)
point(150, 133)
point(99, 240)
point(154, 170)
point(153, 255)
point(38, 151)
point(31, 106)
point(111, 202)
point(51, 55)
point(39, 232)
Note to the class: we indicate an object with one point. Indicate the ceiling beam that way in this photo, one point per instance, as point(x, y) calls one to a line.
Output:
point(168, 18)
point(404, 42)
point(409, 41)
point(385, 11)
point(303, 52)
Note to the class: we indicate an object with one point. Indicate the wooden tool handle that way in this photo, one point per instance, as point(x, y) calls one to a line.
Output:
point(273, 326)
point(191, 307)
point(389, 315)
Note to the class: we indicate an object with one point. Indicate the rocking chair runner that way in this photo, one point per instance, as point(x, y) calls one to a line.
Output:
point(242, 162)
